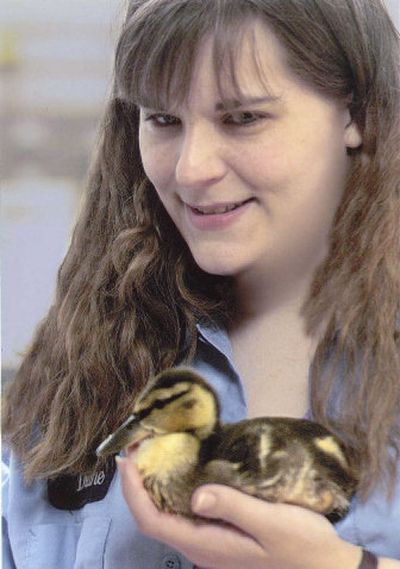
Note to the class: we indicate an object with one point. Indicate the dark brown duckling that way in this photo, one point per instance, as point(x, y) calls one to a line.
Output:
point(181, 445)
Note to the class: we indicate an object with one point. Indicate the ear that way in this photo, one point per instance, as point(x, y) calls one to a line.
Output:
point(352, 134)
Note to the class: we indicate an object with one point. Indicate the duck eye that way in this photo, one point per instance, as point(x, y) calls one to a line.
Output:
point(189, 404)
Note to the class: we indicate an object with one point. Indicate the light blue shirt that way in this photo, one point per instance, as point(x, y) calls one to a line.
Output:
point(103, 534)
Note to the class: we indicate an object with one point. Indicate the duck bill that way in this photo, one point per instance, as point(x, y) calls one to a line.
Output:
point(130, 433)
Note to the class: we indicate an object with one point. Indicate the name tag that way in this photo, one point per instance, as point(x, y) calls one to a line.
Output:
point(73, 492)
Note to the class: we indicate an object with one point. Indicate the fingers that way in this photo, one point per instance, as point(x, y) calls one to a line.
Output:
point(253, 516)
point(267, 535)
point(290, 536)
point(148, 518)
point(232, 506)
point(205, 544)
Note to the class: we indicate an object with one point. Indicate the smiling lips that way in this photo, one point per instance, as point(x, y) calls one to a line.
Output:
point(216, 216)
point(217, 209)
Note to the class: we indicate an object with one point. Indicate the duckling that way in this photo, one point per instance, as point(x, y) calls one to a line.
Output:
point(181, 445)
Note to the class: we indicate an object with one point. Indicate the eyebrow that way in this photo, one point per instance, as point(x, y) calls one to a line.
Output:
point(246, 101)
point(228, 104)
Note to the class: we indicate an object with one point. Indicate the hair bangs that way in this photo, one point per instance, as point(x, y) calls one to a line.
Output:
point(231, 41)
point(157, 51)
point(160, 43)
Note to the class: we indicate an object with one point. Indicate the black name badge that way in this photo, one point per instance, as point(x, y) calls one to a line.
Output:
point(74, 492)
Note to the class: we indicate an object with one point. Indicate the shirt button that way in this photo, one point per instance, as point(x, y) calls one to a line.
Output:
point(171, 562)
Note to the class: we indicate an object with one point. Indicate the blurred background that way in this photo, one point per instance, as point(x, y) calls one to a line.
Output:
point(55, 73)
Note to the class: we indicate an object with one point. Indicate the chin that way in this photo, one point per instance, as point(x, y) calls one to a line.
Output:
point(221, 267)
point(226, 259)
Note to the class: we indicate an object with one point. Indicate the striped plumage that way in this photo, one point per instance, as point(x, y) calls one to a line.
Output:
point(181, 445)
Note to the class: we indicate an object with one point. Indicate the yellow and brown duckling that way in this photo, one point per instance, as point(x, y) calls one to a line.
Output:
point(181, 445)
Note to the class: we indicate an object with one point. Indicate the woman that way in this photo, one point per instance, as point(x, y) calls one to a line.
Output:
point(242, 216)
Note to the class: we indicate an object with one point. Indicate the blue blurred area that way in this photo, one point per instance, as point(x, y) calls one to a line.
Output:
point(55, 73)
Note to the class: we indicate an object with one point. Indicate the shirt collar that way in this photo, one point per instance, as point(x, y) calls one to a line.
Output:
point(217, 336)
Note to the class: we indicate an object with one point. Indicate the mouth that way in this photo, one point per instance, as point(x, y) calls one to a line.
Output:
point(216, 216)
point(135, 445)
point(218, 208)
point(128, 436)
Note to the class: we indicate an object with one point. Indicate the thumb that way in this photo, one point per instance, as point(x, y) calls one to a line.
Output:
point(251, 515)
point(230, 505)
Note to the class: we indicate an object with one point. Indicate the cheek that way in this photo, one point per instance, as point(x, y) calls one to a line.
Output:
point(315, 162)
point(157, 160)
point(306, 173)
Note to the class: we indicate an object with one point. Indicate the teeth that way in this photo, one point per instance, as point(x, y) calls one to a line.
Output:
point(216, 210)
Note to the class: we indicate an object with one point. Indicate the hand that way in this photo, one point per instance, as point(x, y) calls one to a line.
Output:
point(260, 535)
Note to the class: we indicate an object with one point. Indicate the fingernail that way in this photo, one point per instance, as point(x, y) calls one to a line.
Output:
point(120, 461)
point(203, 502)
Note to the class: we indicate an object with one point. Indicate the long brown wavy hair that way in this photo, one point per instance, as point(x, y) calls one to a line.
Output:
point(129, 294)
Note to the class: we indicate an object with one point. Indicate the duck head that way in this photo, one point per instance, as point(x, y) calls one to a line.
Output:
point(177, 400)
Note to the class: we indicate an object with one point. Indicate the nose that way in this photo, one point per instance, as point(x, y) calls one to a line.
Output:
point(201, 161)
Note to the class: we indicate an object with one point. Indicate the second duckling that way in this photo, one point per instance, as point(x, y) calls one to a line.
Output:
point(181, 445)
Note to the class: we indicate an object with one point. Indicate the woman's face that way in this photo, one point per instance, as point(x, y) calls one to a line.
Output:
point(251, 182)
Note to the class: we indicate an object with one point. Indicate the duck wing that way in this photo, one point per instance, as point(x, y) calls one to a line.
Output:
point(295, 461)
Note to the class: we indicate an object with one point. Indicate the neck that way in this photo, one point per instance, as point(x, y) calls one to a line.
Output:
point(281, 280)
point(258, 297)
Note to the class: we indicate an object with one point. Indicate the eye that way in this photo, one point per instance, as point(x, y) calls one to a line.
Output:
point(243, 118)
point(162, 120)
